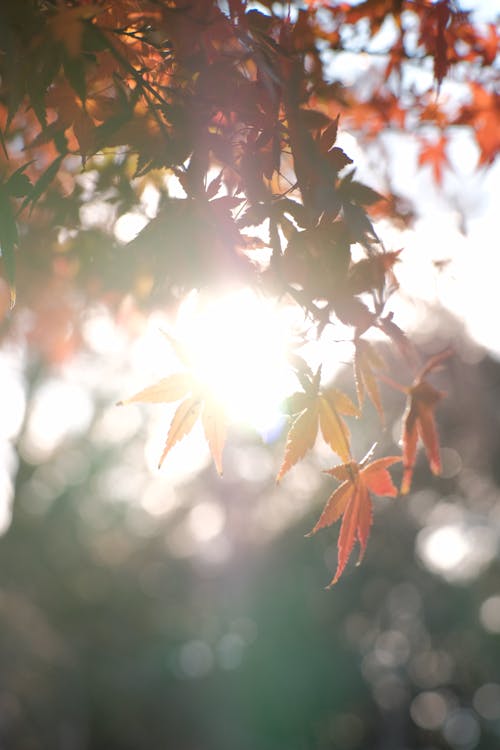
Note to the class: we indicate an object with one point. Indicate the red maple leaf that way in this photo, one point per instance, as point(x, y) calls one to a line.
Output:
point(419, 421)
point(352, 501)
point(434, 154)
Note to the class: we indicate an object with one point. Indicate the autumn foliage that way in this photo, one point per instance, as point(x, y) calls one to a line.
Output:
point(239, 107)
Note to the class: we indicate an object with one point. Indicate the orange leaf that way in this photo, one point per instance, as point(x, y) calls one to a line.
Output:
point(419, 421)
point(301, 438)
point(183, 422)
point(214, 423)
point(434, 154)
point(67, 26)
point(349, 529)
point(340, 401)
point(177, 386)
point(334, 429)
point(365, 360)
point(166, 390)
point(352, 501)
point(377, 478)
point(343, 473)
point(296, 403)
point(334, 508)
point(323, 406)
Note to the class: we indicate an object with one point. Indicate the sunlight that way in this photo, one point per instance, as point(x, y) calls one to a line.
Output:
point(457, 552)
point(238, 345)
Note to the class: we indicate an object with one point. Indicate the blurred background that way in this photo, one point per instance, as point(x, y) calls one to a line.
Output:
point(179, 610)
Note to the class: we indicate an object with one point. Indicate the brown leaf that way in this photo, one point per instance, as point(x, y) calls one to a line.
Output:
point(67, 27)
point(370, 273)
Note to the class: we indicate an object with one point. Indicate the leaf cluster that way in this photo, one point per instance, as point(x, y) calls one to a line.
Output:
point(229, 112)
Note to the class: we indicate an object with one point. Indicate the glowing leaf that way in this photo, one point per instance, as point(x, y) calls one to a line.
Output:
point(352, 501)
point(318, 407)
point(333, 427)
point(214, 423)
point(377, 478)
point(199, 401)
point(340, 401)
point(166, 390)
point(183, 422)
point(366, 360)
point(419, 422)
point(301, 438)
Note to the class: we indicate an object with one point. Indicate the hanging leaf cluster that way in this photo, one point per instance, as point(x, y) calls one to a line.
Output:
point(236, 105)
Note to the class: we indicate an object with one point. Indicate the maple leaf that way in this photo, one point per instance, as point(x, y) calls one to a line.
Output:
point(317, 408)
point(352, 501)
point(366, 360)
point(182, 423)
point(371, 273)
point(67, 26)
point(435, 155)
point(482, 114)
point(441, 63)
point(197, 402)
point(419, 421)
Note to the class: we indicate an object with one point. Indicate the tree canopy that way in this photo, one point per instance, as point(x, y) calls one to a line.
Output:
point(232, 115)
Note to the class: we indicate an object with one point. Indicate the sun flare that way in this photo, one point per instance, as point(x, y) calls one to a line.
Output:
point(239, 345)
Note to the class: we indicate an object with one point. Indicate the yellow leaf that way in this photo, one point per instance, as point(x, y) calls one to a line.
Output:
point(344, 472)
point(166, 390)
point(215, 427)
point(334, 429)
point(184, 419)
point(340, 401)
point(365, 360)
point(301, 438)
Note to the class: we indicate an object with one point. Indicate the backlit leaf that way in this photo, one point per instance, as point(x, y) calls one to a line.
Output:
point(214, 421)
point(334, 429)
point(183, 422)
point(366, 360)
point(300, 439)
point(352, 501)
point(166, 390)
point(199, 403)
point(419, 421)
